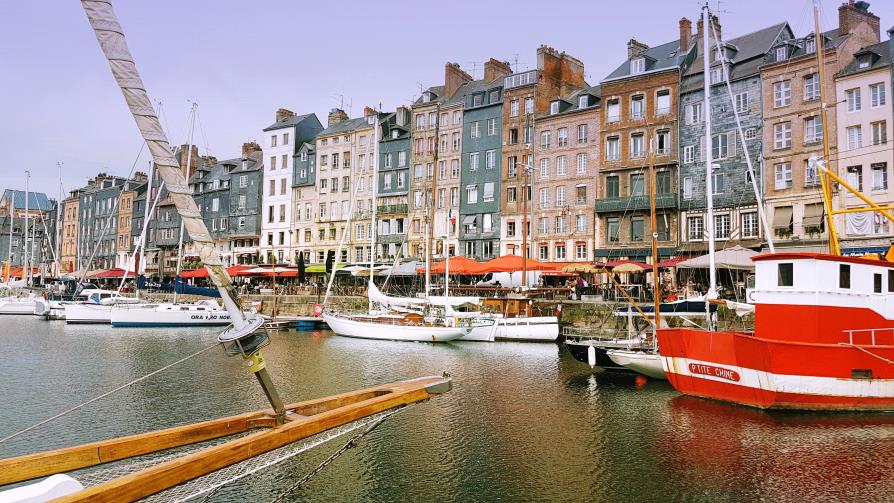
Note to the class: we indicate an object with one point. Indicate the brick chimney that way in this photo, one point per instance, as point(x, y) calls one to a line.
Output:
point(852, 13)
point(454, 77)
point(494, 69)
point(336, 115)
point(140, 176)
point(193, 160)
point(368, 111)
point(248, 148)
point(716, 22)
point(282, 113)
point(563, 71)
point(635, 48)
point(685, 33)
point(402, 116)
point(209, 160)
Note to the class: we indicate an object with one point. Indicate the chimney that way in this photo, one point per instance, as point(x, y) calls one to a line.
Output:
point(282, 113)
point(564, 71)
point(209, 160)
point(635, 48)
point(685, 33)
point(716, 22)
point(248, 148)
point(402, 117)
point(494, 70)
point(140, 176)
point(193, 160)
point(852, 13)
point(454, 77)
point(369, 111)
point(336, 115)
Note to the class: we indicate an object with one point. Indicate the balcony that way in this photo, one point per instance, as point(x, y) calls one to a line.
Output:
point(634, 203)
point(388, 209)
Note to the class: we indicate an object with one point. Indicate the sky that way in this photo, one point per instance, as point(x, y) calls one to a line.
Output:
point(240, 61)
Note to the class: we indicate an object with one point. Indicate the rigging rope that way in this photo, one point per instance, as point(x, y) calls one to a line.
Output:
point(119, 388)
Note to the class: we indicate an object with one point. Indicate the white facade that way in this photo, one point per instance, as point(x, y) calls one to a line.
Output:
point(276, 201)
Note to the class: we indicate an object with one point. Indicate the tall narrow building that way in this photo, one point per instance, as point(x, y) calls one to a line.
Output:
point(393, 184)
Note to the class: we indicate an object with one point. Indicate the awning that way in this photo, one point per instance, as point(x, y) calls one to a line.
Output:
point(736, 258)
point(470, 220)
point(813, 215)
point(782, 217)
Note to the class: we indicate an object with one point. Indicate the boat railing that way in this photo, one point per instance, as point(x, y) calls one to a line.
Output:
point(870, 336)
point(597, 333)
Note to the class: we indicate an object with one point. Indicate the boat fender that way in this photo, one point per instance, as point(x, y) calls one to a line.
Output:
point(558, 310)
point(591, 356)
point(318, 310)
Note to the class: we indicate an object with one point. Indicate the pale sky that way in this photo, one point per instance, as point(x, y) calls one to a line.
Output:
point(241, 60)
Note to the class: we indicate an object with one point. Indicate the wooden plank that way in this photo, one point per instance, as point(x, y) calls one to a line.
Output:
point(174, 472)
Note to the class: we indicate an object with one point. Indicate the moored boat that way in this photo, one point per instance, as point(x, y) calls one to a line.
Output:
point(398, 327)
point(203, 313)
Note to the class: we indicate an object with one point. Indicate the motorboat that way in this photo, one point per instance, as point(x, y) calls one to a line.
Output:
point(97, 308)
point(203, 313)
point(17, 305)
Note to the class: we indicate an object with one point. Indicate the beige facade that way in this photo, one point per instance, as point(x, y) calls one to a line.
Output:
point(124, 243)
point(69, 251)
point(864, 155)
point(423, 156)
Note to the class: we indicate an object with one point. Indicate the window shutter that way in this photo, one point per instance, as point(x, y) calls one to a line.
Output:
point(731, 141)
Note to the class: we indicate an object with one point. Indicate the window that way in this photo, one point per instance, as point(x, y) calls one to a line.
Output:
point(877, 283)
point(718, 181)
point(454, 196)
point(663, 182)
point(273, 140)
point(612, 186)
point(581, 164)
point(285, 162)
point(512, 166)
point(386, 181)
point(560, 224)
point(529, 105)
point(613, 111)
point(782, 93)
point(543, 225)
point(242, 200)
point(854, 137)
point(721, 226)
point(474, 162)
point(560, 251)
point(454, 168)
point(612, 148)
point(513, 108)
point(811, 87)
point(612, 229)
point(272, 190)
point(511, 194)
point(417, 198)
point(879, 132)
point(782, 135)
point(583, 101)
point(472, 194)
point(662, 139)
point(561, 168)
point(687, 188)
point(554, 108)
point(270, 214)
point(282, 213)
point(637, 106)
point(880, 176)
point(581, 194)
point(488, 223)
point(695, 226)
point(637, 229)
point(490, 159)
point(243, 181)
point(637, 185)
point(493, 97)
point(420, 121)
point(694, 114)
point(545, 139)
point(811, 175)
point(813, 129)
point(580, 251)
point(491, 127)
point(582, 133)
point(877, 95)
point(663, 103)
point(241, 222)
point(637, 148)
point(562, 137)
point(637, 66)
point(720, 146)
point(785, 274)
point(513, 136)
point(844, 276)
point(718, 74)
point(810, 45)
point(560, 196)
point(749, 225)
point(853, 100)
point(783, 175)
point(781, 53)
point(488, 192)
point(855, 177)
point(544, 197)
point(741, 102)
point(475, 131)
point(454, 140)
point(890, 281)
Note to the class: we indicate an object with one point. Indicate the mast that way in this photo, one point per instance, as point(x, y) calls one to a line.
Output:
point(709, 178)
point(375, 195)
point(142, 244)
point(58, 247)
point(825, 178)
point(430, 202)
point(654, 213)
point(8, 269)
point(110, 36)
point(25, 275)
point(528, 167)
point(192, 125)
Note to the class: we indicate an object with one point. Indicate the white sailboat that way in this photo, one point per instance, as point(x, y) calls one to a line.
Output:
point(10, 303)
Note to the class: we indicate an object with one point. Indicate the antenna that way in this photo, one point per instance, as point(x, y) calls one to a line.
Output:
point(515, 62)
point(474, 69)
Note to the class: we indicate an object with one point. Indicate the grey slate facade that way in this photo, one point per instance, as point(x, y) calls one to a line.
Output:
point(479, 220)
point(99, 221)
point(393, 184)
point(40, 209)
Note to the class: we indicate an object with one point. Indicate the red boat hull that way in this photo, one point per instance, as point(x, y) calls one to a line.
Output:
point(772, 374)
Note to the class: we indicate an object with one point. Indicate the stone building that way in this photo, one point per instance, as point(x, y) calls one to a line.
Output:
point(566, 168)
point(639, 110)
point(793, 129)
point(527, 94)
point(245, 195)
point(864, 154)
point(424, 155)
point(99, 220)
point(305, 199)
point(393, 186)
point(40, 210)
point(281, 141)
point(736, 219)
point(479, 210)
point(69, 251)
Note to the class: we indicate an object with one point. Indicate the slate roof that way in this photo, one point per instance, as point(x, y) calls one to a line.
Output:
point(345, 126)
point(879, 54)
point(572, 100)
point(745, 53)
point(36, 200)
point(661, 57)
point(438, 92)
point(287, 122)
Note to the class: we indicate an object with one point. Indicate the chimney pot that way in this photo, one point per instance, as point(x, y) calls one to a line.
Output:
point(283, 113)
point(685, 33)
point(336, 115)
point(495, 69)
point(248, 148)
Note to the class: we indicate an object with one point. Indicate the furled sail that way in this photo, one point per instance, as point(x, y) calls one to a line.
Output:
point(376, 295)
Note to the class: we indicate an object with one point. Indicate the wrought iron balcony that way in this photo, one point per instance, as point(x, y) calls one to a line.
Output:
point(633, 203)
point(392, 208)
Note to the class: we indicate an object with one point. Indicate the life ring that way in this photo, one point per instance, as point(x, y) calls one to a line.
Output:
point(318, 310)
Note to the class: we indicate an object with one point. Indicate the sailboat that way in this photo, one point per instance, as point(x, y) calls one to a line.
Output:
point(10, 303)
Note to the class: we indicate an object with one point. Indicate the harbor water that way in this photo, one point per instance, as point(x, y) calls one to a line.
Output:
point(524, 422)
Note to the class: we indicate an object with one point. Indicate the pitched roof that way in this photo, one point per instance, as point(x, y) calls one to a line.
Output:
point(661, 57)
point(36, 200)
point(437, 91)
point(346, 126)
point(879, 57)
point(574, 103)
point(287, 122)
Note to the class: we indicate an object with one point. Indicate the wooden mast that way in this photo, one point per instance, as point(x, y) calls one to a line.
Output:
point(825, 178)
point(656, 286)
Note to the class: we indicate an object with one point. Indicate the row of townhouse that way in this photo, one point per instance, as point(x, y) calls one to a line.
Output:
point(541, 156)
point(27, 226)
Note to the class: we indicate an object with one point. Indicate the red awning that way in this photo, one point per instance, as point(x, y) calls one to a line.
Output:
point(671, 262)
point(114, 273)
point(510, 263)
point(458, 265)
point(203, 272)
point(16, 271)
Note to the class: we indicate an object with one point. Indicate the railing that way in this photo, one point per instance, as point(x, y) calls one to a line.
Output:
point(393, 208)
point(662, 201)
point(870, 335)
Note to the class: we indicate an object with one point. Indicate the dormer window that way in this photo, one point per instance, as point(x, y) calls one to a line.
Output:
point(583, 101)
point(554, 108)
point(395, 134)
point(304, 155)
point(810, 45)
point(637, 66)
point(426, 97)
point(718, 55)
point(781, 53)
point(864, 62)
point(369, 120)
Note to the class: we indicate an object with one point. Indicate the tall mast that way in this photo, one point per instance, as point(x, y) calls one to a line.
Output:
point(25, 275)
point(825, 178)
point(375, 194)
point(58, 246)
point(654, 213)
point(528, 167)
point(430, 202)
point(192, 124)
point(141, 267)
point(8, 269)
point(709, 178)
